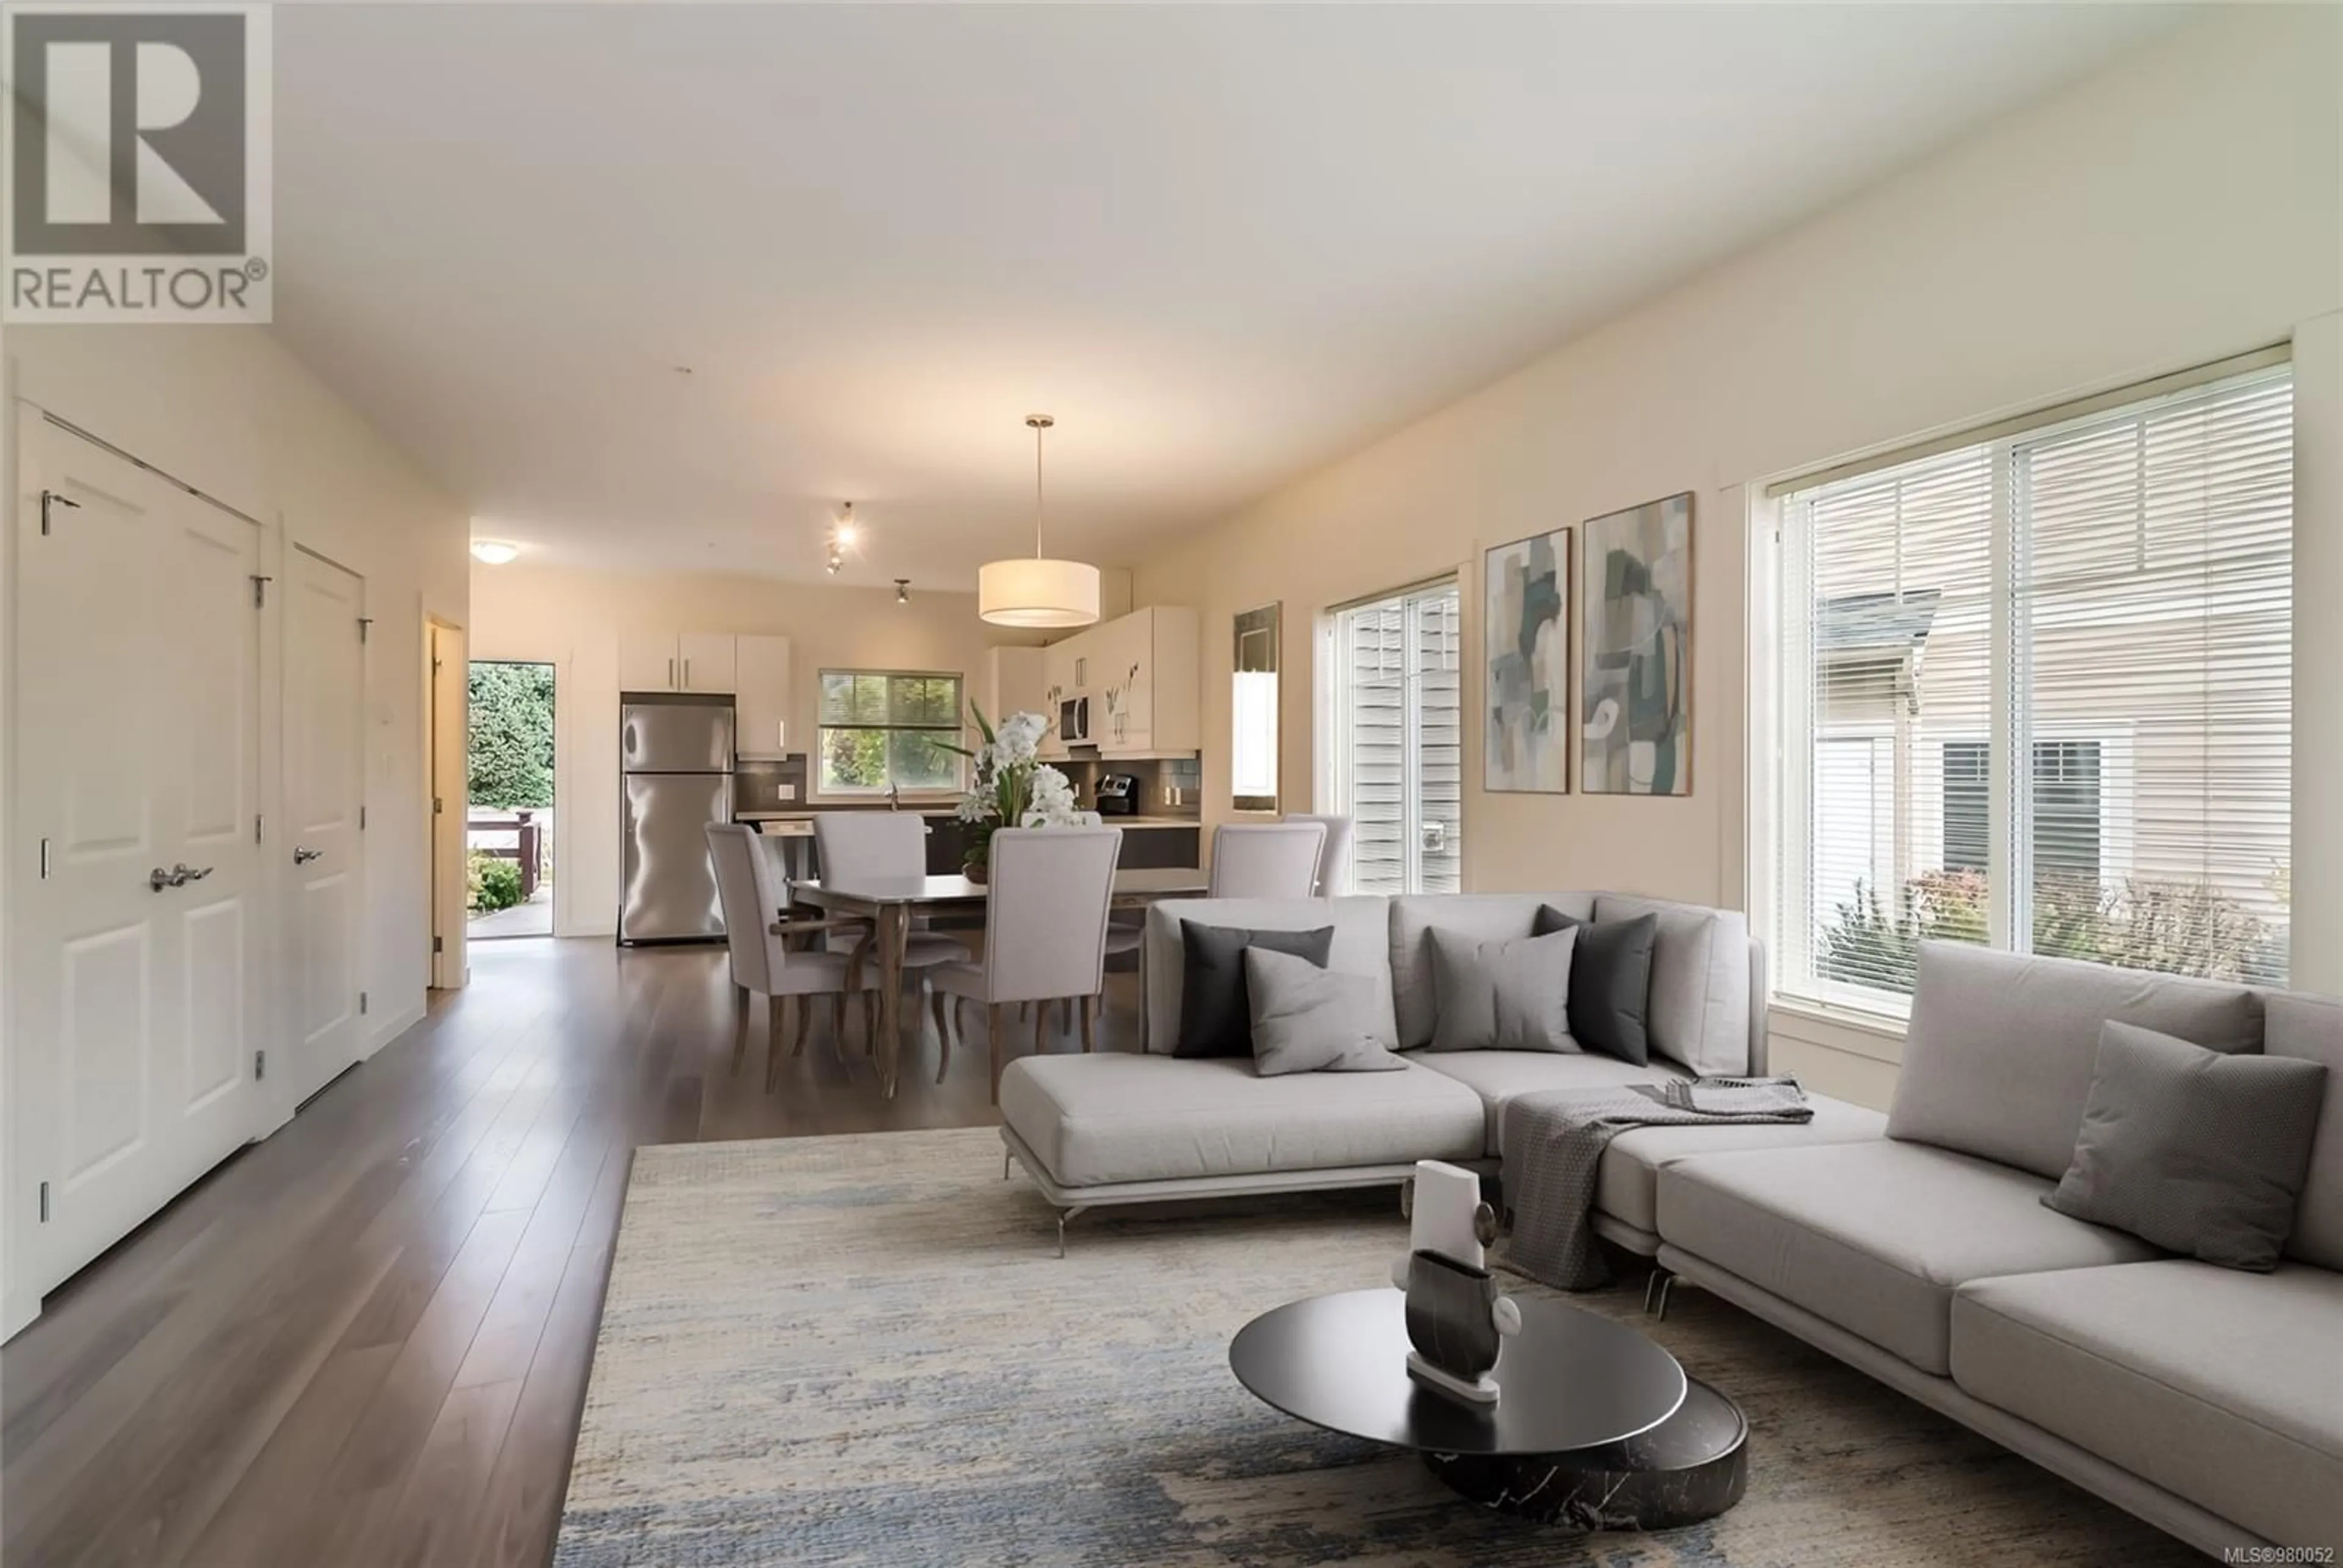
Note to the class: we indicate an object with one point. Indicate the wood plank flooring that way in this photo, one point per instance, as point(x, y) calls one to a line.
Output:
point(364, 1341)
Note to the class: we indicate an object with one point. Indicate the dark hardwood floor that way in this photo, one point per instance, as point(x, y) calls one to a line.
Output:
point(364, 1341)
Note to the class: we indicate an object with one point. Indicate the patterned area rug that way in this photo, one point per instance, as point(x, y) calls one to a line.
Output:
point(864, 1350)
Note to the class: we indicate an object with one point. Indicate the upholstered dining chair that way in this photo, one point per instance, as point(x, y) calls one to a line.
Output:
point(882, 844)
point(754, 893)
point(1045, 907)
point(1265, 859)
point(1334, 856)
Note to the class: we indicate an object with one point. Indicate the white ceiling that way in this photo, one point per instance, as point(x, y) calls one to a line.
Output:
point(1221, 245)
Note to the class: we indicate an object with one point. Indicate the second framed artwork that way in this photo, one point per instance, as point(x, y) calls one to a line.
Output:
point(1525, 628)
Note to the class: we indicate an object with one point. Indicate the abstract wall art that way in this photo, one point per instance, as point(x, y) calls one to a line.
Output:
point(1525, 621)
point(1636, 669)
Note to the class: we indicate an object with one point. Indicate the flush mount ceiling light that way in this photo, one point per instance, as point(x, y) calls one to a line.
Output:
point(494, 552)
point(1038, 591)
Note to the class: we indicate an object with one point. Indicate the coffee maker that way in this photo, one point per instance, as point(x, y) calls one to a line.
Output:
point(1118, 795)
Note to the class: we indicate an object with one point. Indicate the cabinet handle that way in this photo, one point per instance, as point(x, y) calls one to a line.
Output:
point(670, 675)
point(686, 674)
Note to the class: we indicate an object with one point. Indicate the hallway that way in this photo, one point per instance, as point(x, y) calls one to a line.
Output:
point(364, 1341)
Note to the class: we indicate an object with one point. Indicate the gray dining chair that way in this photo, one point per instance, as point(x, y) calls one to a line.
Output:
point(1266, 859)
point(882, 844)
point(754, 894)
point(1334, 856)
point(1045, 907)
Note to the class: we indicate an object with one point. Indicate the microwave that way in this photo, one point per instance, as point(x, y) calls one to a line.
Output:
point(1074, 720)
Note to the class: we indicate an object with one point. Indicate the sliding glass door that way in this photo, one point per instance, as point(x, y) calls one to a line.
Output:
point(1390, 691)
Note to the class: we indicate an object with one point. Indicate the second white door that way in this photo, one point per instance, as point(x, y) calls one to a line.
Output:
point(324, 688)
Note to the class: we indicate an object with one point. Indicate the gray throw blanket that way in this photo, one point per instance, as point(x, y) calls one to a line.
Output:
point(1553, 1143)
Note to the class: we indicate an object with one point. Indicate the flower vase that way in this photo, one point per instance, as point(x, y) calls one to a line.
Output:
point(974, 871)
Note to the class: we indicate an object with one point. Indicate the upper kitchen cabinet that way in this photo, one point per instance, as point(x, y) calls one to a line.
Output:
point(1144, 684)
point(711, 661)
point(761, 707)
point(702, 661)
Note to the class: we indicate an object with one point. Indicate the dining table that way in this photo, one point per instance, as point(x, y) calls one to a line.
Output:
point(891, 903)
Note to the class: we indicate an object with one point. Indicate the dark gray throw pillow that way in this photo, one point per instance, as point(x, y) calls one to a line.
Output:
point(1501, 995)
point(1610, 982)
point(1306, 1019)
point(2198, 1151)
point(1215, 1014)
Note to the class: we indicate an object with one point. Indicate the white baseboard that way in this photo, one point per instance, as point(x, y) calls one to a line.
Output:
point(391, 1028)
point(18, 1311)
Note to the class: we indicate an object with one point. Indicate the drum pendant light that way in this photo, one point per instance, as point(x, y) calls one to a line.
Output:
point(1036, 591)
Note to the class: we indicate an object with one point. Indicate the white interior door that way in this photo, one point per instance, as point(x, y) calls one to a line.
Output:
point(450, 685)
point(325, 692)
point(139, 947)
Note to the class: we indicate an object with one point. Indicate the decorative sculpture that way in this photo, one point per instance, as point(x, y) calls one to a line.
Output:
point(1456, 1318)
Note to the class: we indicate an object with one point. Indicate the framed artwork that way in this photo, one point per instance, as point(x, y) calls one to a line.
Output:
point(1635, 702)
point(1525, 626)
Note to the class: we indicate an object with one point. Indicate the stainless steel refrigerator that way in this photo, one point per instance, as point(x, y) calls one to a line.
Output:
point(675, 758)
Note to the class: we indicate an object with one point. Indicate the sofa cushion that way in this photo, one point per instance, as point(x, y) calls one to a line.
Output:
point(1308, 1019)
point(1215, 997)
point(1489, 916)
point(2311, 1028)
point(2199, 1151)
point(1496, 1076)
point(1699, 1009)
point(1116, 1116)
point(1509, 993)
point(1610, 982)
point(1362, 946)
point(1997, 1061)
point(2224, 1388)
point(1875, 1236)
point(1627, 1182)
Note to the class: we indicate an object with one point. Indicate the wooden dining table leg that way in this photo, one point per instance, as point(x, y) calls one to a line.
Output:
point(894, 935)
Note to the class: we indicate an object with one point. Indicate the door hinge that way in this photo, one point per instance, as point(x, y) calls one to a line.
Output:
point(361, 819)
point(362, 1004)
point(256, 828)
point(44, 860)
point(259, 1065)
point(260, 590)
point(438, 946)
point(435, 664)
point(365, 625)
point(44, 1202)
point(51, 498)
point(438, 805)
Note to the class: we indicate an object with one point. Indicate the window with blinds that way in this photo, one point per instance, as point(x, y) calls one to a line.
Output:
point(889, 730)
point(2035, 691)
point(1395, 707)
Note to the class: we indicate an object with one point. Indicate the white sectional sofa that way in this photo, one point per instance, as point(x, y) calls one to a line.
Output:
point(1120, 1128)
point(1913, 1246)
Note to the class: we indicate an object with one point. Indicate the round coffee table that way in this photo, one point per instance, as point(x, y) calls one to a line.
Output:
point(1595, 1426)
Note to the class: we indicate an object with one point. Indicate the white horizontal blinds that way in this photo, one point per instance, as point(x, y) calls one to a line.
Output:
point(1889, 599)
point(1439, 666)
point(1372, 721)
point(2152, 677)
point(1398, 716)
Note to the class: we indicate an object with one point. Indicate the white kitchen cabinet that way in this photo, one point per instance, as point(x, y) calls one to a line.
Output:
point(649, 661)
point(1144, 682)
point(709, 662)
point(761, 704)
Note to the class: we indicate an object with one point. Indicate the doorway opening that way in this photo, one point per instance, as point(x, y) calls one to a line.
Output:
point(509, 824)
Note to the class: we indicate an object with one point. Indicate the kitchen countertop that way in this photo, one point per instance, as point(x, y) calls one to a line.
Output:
point(787, 819)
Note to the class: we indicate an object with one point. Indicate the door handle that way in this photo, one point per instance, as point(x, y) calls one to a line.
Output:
point(302, 855)
point(159, 879)
point(181, 875)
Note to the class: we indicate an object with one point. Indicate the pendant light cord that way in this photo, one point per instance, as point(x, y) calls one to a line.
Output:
point(1037, 491)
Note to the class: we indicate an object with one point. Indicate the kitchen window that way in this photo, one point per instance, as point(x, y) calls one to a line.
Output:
point(1390, 703)
point(2033, 690)
point(888, 730)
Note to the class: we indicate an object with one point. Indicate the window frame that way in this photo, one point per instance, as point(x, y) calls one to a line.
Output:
point(952, 732)
point(1783, 790)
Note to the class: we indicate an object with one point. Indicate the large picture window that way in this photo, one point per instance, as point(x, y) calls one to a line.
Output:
point(2034, 691)
point(889, 730)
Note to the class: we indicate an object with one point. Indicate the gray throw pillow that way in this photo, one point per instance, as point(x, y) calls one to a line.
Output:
point(1310, 1019)
point(2196, 1151)
point(1507, 995)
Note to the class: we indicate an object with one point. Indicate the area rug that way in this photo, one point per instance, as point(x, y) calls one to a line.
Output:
point(865, 1350)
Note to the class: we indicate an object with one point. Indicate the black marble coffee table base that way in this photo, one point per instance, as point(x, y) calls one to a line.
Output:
point(1692, 1466)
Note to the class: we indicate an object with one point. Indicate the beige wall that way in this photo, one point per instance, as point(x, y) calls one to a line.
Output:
point(2178, 207)
point(573, 619)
